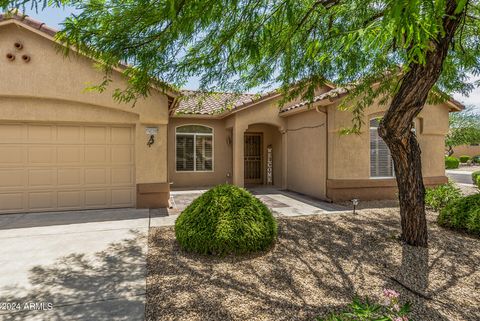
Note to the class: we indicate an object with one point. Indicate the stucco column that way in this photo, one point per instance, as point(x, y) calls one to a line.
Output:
point(238, 157)
point(284, 157)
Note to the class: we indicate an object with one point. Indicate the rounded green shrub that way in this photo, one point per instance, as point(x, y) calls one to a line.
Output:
point(451, 162)
point(226, 220)
point(478, 181)
point(462, 214)
point(463, 159)
point(440, 196)
point(476, 159)
point(475, 175)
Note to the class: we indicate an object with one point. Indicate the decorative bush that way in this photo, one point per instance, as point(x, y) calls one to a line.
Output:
point(463, 159)
point(438, 197)
point(475, 175)
point(476, 159)
point(451, 162)
point(226, 220)
point(463, 213)
point(390, 310)
point(478, 181)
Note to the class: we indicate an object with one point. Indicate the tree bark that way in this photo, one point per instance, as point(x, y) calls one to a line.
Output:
point(396, 129)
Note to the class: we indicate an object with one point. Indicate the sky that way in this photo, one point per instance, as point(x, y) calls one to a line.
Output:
point(53, 17)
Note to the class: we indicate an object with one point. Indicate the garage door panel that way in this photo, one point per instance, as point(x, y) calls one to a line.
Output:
point(122, 176)
point(10, 133)
point(41, 155)
point(70, 154)
point(42, 200)
point(96, 198)
point(48, 167)
point(70, 199)
point(122, 197)
point(69, 177)
point(97, 176)
point(12, 202)
point(45, 177)
point(41, 133)
point(95, 135)
point(12, 178)
point(121, 135)
point(96, 154)
point(12, 155)
point(70, 134)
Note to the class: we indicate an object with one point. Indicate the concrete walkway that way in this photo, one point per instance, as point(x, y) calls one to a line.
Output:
point(280, 202)
point(461, 177)
point(90, 265)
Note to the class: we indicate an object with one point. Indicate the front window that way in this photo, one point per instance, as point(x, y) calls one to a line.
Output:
point(381, 162)
point(194, 144)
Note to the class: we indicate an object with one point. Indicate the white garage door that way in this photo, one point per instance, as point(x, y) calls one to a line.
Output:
point(52, 167)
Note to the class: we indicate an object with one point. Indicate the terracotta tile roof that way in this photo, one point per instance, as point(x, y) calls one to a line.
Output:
point(28, 21)
point(200, 103)
point(331, 95)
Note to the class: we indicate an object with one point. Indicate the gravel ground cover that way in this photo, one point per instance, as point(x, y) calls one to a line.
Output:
point(318, 265)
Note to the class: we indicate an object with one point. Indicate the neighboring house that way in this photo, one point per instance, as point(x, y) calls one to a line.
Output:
point(62, 148)
point(468, 150)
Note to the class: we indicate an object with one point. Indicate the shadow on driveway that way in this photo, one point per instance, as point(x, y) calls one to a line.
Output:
point(108, 285)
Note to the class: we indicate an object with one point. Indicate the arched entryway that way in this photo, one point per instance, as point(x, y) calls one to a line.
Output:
point(262, 156)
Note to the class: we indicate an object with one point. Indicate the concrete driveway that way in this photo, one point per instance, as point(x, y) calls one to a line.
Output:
point(84, 265)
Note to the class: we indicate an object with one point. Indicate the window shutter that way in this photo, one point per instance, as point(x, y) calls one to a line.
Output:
point(185, 152)
point(204, 153)
point(381, 163)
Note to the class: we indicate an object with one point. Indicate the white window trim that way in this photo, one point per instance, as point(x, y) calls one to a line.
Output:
point(370, 157)
point(194, 148)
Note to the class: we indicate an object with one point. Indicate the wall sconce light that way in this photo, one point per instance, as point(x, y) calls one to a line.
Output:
point(151, 132)
point(355, 202)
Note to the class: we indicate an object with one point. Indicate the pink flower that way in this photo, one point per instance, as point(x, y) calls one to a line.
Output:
point(398, 319)
point(391, 294)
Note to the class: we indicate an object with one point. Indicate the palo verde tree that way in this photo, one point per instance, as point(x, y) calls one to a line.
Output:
point(464, 129)
point(402, 53)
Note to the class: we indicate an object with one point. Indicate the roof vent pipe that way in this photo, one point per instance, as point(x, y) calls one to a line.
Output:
point(10, 56)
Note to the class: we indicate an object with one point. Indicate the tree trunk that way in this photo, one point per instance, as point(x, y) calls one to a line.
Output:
point(396, 129)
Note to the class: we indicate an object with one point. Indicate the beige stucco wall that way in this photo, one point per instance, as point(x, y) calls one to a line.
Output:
point(222, 159)
point(349, 155)
point(468, 150)
point(51, 88)
point(307, 153)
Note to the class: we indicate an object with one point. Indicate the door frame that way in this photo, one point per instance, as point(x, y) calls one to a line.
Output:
point(258, 180)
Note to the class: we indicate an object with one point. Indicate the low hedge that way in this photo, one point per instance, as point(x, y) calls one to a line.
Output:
point(440, 196)
point(226, 220)
point(462, 214)
point(451, 162)
point(463, 159)
point(475, 175)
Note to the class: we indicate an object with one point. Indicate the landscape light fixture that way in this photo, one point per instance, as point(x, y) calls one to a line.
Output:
point(355, 202)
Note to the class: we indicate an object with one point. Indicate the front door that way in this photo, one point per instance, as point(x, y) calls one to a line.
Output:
point(253, 158)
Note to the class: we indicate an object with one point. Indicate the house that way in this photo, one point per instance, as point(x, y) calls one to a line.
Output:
point(64, 148)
